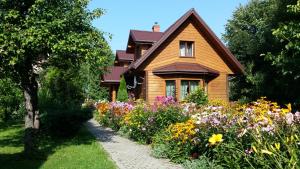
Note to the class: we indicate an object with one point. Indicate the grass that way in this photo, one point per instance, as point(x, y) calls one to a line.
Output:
point(79, 152)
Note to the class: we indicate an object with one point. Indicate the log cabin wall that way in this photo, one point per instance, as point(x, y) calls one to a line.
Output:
point(204, 54)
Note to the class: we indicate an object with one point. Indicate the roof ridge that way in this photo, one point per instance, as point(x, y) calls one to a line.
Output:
point(144, 31)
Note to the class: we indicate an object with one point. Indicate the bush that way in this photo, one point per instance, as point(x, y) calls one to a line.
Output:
point(122, 95)
point(202, 163)
point(12, 106)
point(59, 119)
point(60, 100)
point(64, 123)
point(198, 96)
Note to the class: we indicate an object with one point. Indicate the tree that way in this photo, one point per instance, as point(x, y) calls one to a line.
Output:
point(36, 34)
point(90, 80)
point(287, 60)
point(122, 95)
point(250, 37)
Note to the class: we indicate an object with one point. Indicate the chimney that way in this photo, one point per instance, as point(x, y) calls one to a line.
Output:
point(156, 27)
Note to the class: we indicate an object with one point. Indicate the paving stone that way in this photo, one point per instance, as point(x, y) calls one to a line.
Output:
point(126, 153)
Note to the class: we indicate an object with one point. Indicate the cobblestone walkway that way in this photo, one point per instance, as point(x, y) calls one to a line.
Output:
point(127, 154)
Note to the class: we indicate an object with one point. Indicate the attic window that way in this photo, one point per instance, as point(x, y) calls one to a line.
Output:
point(186, 48)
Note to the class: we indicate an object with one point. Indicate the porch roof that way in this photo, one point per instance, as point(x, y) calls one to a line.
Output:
point(185, 68)
point(113, 74)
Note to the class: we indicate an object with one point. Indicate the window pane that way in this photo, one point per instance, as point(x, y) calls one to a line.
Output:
point(170, 88)
point(189, 48)
point(184, 89)
point(194, 85)
point(182, 48)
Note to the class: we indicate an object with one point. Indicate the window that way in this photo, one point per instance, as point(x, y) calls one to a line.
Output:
point(171, 88)
point(186, 48)
point(188, 86)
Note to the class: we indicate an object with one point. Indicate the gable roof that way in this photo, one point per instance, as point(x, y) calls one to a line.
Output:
point(122, 55)
point(228, 56)
point(145, 36)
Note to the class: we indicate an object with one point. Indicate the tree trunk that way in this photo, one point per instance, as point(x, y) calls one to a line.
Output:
point(30, 88)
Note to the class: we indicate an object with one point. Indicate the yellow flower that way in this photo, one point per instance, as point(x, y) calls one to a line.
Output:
point(266, 152)
point(289, 106)
point(215, 138)
point(277, 146)
point(254, 149)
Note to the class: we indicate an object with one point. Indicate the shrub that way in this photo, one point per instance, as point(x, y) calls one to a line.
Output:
point(202, 163)
point(12, 106)
point(64, 123)
point(198, 96)
point(60, 100)
point(122, 94)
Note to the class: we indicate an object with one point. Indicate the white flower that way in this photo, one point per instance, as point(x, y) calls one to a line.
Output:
point(289, 118)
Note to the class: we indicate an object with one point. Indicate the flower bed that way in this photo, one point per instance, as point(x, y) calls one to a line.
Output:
point(255, 135)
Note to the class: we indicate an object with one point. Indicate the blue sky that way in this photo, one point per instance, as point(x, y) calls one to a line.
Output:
point(123, 15)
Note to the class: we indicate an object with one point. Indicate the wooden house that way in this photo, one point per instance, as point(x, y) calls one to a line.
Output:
point(174, 63)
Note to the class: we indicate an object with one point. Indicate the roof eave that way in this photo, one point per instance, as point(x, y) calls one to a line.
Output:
point(185, 72)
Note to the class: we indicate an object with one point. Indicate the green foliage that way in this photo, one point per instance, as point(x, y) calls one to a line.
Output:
point(11, 101)
point(122, 95)
point(198, 96)
point(62, 86)
point(249, 36)
point(286, 60)
point(60, 97)
point(65, 26)
point(64, 123)
point(89, 78)
point(202, 163)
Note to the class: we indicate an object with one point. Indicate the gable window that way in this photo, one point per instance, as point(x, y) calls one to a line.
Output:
point(186, 48)
point(188, 86)
point(171, 88)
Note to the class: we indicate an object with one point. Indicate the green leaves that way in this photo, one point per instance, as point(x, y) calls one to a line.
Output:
point(61, 31)
point(288, 33)
point(262, 35)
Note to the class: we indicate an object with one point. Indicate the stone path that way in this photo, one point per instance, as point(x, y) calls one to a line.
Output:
point(127, 154)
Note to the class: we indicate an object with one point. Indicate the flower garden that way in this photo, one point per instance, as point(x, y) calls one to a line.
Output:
point(259, 134)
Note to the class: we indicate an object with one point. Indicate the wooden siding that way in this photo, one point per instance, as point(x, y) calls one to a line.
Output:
point(204, 54)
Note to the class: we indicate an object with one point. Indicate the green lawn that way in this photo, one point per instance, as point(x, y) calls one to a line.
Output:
point(80, 152)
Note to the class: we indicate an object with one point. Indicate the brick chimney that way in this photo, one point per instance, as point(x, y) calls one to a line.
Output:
point(156, 27)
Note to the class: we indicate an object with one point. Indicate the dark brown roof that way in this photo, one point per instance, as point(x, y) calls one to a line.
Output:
point(121, 55)
point(225, 53)
point(185, 68)
point(113, 74)
point(145, 36)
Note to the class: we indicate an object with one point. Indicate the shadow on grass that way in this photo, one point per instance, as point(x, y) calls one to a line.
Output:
point(102, 134)
point(11, 147)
